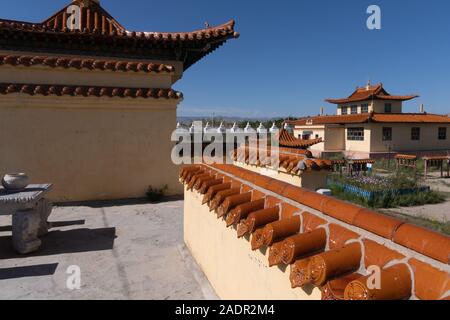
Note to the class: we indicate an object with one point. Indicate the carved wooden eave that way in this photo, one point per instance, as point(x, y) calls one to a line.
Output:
point(102, 35)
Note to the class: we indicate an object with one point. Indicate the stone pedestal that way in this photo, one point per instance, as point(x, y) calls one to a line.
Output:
point(25, 228)
point(30, 212)
point(44, 209)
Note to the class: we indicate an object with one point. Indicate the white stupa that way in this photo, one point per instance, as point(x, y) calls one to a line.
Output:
point(180, 128)
point(192, 128)
point(288, 128)
point(274, 128)
point(221, 128)
point(207, 128)
point(261, 128)
point(235, 128)
point(248, 128)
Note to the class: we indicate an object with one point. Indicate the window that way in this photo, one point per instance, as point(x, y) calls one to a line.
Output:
point(354, 109)
point(307, 135)
point(388, 108)
point(344, 110)
point(442, 134)
point(415, 134)
point(365, 108)
point(355, 134)
point(387, 134)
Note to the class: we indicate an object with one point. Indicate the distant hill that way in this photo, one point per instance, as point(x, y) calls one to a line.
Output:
point(226, 120)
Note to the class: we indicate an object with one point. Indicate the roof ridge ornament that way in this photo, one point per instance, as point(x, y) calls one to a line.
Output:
point(87, 3)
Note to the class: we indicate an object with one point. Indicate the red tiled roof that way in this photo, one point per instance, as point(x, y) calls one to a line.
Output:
point(361, 161)
point(96, 20)
point(79, 63)
point(88, 91)
point(410, 117)
point(370, 93)
point(319, 120)
point(292, 163)
point(210, 33)
point(329, 251)
point(373, 117)
point(288, 140)
point(102, 34)
point(93, 19)
point(294, 151)
point(406, 156)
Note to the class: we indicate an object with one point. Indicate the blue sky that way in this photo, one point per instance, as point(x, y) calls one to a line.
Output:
point(293, 54)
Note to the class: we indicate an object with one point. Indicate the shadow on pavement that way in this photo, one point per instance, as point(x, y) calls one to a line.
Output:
point(62, 242)
point(30, 271)
point(117, 203)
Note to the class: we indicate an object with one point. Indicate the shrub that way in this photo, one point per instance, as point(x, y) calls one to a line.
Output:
point(156, 195)
point(389, 200)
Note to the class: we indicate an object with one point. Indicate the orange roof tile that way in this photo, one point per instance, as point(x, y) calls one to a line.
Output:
point(372, 117)
point(88, 91)
point(288, 140)
point(324, 253)
point(319, 120)
point(370, 93)
point(292, 163)
point(406, 156)
point(80, 63)
point(410, 117)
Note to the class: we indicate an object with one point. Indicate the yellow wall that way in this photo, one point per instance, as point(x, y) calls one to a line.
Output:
point(233, 269)
point(318, 130)
point(333, 136)
point(401, 137)
point(58, 76)
point(358, 146)
point(376, 106)
point(90, 148)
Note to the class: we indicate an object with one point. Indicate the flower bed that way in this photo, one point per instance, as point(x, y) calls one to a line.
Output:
point(370, 195)
point(399, 190)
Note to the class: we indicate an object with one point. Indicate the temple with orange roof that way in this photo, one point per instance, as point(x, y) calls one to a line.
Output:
point(88, 105)
point(371, 123)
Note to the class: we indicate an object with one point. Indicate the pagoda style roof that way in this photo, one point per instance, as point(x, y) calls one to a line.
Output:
point(369, 92)
point(288, 140)
point(102, 35)
point(373, 117)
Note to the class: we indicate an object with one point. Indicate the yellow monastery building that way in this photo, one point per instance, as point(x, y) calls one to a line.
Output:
point(371, 123)
point(88, 105)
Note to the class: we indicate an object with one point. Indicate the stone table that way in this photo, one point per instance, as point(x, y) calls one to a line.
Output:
point(30, 212)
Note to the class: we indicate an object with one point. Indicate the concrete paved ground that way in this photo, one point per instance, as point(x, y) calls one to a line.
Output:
point(124, 251)
point(434, 212)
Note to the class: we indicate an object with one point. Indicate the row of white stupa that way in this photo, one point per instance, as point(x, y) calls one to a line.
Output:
point(234, 129)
